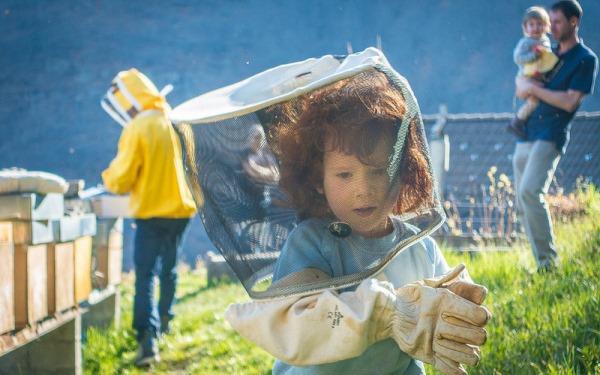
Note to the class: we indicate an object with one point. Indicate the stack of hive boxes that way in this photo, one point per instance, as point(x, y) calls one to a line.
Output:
point(108, 252)
point(7, 282)
point(108, 242)
point(48, 254)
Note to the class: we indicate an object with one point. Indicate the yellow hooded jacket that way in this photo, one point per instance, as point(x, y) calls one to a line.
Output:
point(148, 163)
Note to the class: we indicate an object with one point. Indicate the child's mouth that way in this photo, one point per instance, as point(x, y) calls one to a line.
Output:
point(365, 211)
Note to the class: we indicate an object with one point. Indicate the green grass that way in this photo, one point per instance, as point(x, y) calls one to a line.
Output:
point(200, 341)
point(542, 324)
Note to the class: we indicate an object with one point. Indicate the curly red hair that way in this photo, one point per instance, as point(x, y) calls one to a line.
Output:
point(351, 115)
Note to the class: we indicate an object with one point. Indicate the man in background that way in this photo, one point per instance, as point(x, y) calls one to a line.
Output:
point(547, 129)
point(149, 167)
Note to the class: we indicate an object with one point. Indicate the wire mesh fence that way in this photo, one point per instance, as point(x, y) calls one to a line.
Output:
point(476, 177)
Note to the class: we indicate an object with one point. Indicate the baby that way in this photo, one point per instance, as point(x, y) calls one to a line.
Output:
point(534, 57)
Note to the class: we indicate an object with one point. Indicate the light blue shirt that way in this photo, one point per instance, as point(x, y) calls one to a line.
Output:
point(311, 245)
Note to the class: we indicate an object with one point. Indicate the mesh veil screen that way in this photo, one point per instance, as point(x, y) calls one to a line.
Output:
point(317, 191)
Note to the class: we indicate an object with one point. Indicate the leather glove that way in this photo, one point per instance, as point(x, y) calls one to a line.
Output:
point(431, 324)
point(438, 326)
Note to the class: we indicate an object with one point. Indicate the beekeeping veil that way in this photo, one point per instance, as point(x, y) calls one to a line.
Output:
point(131, 93)
point(245, 151)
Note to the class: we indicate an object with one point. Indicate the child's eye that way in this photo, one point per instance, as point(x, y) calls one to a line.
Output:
point(344, 175)
point(380, 171)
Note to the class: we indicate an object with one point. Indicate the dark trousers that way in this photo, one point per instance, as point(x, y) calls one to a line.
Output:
point(155, 239)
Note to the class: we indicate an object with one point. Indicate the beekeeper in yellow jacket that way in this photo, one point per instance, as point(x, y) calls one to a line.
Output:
point(149, 167)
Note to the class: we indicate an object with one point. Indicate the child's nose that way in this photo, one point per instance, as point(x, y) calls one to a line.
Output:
point(364, 187)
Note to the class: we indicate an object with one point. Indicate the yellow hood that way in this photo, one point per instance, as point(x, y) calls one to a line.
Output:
point(131, 93)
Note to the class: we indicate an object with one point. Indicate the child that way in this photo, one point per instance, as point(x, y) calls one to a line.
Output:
point(335, 151)
point(534, 57)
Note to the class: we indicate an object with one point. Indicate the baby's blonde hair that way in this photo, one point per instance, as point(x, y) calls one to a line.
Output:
point(539, 13)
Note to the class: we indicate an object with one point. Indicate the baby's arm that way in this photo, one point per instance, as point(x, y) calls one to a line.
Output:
point(524, 52)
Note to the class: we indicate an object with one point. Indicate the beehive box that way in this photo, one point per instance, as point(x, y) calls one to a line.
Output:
point(68, 228)
point(7, 286)
point(115, 258)
point(30, 277)
point(109, 262)
point(111, 206)
point(83, 268)
point(33, 232)
point(61, 276)
point(31, 206)
point(108, 251)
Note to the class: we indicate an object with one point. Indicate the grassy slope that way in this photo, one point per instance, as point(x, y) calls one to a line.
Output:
point(201, 342)
point(542, 323)
point(546, 324)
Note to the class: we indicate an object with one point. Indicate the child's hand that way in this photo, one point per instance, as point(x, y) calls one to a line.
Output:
point(538, 49)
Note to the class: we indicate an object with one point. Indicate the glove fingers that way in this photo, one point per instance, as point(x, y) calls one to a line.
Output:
point(448, 366)
point(461, 332)
point(473, 292)
point(466, 310)
point(460, 353)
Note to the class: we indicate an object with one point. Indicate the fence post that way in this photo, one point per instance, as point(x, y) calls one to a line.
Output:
point(439, 145)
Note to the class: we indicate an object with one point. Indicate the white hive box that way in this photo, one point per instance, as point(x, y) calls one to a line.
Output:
point(7, 282)
point(69, 228)
point(111, 206)
point(31, 206)
point(33, 232)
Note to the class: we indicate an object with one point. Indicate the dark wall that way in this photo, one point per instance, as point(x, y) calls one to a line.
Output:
point(57, 58)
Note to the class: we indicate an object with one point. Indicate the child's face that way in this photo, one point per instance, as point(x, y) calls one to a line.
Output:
point(534, 28)
point(359, 193)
